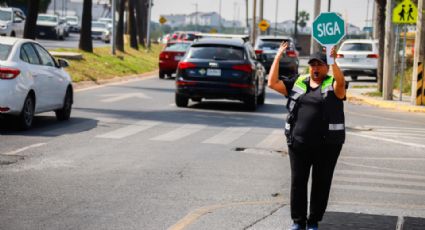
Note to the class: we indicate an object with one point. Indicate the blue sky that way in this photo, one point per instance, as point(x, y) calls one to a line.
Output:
point(353, 11)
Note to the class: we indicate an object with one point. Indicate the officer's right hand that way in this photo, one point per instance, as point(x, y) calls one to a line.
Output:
point(282, 49)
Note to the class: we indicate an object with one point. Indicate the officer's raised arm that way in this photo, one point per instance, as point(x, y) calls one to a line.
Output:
point(339, 84)
point(273, 81)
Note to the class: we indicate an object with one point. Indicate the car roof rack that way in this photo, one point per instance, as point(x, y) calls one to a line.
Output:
point(244, 37)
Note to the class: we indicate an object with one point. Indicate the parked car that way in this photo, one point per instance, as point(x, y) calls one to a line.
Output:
point(266, 48)
point(220, 68)
point(108, 22)
point(50, 26)
point(32, 81)
point(74, 23)
point(358, 57)
point(170, 56)
point(12, 22)
point(99, 30)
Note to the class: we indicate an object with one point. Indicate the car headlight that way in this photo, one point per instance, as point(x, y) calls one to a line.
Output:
point(3, 27)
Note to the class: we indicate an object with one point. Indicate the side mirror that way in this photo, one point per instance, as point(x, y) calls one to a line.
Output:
point(63, 63)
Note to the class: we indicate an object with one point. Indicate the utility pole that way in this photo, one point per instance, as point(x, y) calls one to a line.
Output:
point(388, 54)
point(375, 20)
point(254, 23)
point(329, 5)
point(219, 12)
point(261, 13)
point(196, 15)
point(246, 15)
point(296, 22)
point(113, 48)
point(314, 46)
point(419, 57)
point(275, 17)
point(148, 35)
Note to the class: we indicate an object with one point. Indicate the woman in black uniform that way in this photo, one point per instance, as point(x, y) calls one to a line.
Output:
point(315, 133)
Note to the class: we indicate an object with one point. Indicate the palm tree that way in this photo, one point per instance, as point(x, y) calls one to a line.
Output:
point(120, 27)
point(381, 36)
point(132, 25)
point(86, 42)
point(303, 18)
point(30, 30)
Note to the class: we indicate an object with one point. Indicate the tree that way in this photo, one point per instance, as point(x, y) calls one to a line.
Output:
point(140, 5)
point(120, 27)
point(30, 30)
point(303, 18)
point(42, 4)
point(132, 25)
point(381, 36)
point(86, 42)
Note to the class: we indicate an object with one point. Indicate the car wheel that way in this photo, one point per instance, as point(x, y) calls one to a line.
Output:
point(27, 114)
point(354, 78)
point(181, 101)
point(251, 101)
point(161, 75)
point(64, 113)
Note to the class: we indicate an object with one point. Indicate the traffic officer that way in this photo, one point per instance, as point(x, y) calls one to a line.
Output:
point(315, 133)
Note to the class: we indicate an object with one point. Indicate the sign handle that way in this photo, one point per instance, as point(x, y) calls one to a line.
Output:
point(329, 58)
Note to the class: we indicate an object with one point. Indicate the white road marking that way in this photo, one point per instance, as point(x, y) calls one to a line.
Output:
point(227, 136)
point(24, 149)
point(273, 140)
point(385, 158)
point(116, 83)
point(129, 130)
point(180, 132)
point(386, 174)
point(121, 96)
point(106, 119)
point(386, 139)
point(378, 181)
point(379, 189)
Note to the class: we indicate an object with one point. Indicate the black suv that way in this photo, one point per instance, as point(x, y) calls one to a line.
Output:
point(220, 68)
point(266, 47)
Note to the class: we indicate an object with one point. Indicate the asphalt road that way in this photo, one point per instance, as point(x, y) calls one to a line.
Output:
point(130, 159)
point(69, 42)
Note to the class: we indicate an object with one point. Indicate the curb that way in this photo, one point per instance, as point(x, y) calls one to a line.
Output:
point(356, 99)
point(67, 55)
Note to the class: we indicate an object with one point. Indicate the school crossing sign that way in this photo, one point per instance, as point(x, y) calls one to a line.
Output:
point(405, 12)
point(328, 29)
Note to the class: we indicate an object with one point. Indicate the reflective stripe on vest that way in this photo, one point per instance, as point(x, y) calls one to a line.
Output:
point(335, 127)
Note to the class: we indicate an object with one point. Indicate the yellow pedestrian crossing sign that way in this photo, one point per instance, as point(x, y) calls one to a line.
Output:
point(162, 20)
point(264, 25)
point(405, 12)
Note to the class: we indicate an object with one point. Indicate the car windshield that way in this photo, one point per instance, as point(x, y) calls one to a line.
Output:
point(357, 47)
point(71, 19)
point(216, 52)
point(98, 25)
point(47, 18)
point(5, 15)
point(4, 51)
point(270, 45)
point(179, 47)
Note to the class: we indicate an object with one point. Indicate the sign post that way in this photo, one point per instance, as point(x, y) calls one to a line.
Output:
point(404, 13)
point(328, 30)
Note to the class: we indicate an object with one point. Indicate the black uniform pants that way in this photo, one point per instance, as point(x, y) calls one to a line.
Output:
point(322, 159)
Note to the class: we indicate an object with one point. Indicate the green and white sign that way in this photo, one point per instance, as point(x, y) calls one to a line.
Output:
point(328, 30)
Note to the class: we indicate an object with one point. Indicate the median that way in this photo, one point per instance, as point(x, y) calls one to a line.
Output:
point(101, 65)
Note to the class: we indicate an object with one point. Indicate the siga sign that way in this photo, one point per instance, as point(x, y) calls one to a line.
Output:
point(328, 28)
point(405, 12)
point(263, 25)
point(162, 20)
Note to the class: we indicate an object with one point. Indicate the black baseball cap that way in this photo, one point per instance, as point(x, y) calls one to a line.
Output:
point(319, 56)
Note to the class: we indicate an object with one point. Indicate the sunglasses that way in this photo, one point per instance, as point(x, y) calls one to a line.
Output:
point(317, 64)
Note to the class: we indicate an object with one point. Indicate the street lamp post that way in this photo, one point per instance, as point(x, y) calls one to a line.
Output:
point(148, 36)
point(275, 18)
point(196, 15)
point(114, 3)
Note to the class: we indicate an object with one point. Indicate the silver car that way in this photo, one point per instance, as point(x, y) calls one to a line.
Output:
point(358, 57)
point(12, 22)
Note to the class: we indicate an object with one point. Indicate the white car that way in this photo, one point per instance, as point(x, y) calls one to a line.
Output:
point(50, 26)
point(358, 57)
point(12, 22)
point(32, 81)
point(99, 30)
point(74, 24)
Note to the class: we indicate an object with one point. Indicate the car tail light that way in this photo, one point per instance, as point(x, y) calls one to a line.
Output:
point(258, 52)
point(186, 65)
point(4, 109)
point(340, 56)
point(245, 68)
point(9, 73)
point(184, 83)
point(241, 86)
point(291, 53)
point(373, 56)
point(163, 56)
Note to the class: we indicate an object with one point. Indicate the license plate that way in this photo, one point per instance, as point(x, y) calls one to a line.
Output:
point(177, 58)
point(214, 72)
point(42, 33)
point(355, 60)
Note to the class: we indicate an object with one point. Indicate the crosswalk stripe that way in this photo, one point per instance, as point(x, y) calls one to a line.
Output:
point(393, 190)
point(273, 140)
point(180, 132)
point(227, 136)
point(384, 158)
point(386, 139)
point(129, 130)
point(384, 174)
point(377, 181)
